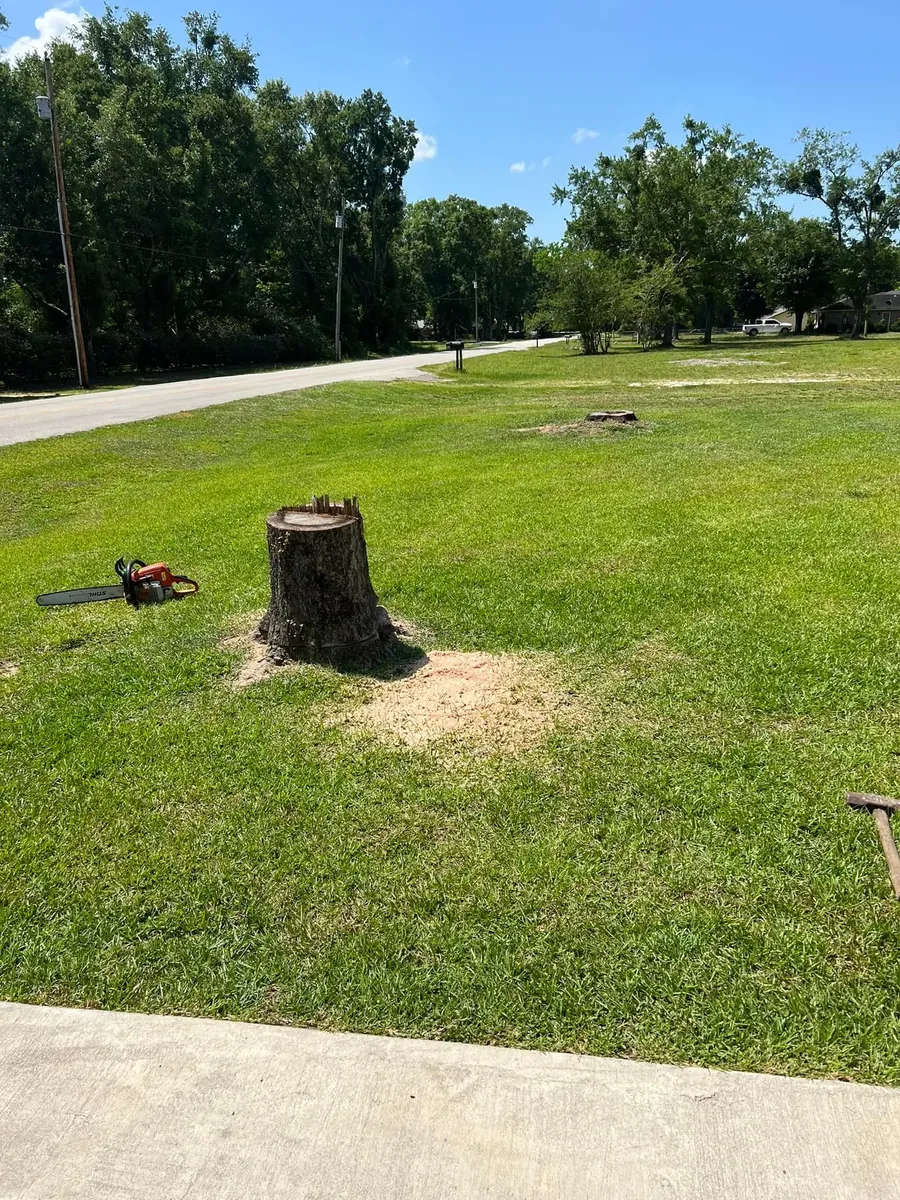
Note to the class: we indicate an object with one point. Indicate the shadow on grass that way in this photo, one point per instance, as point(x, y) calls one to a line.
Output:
point(395, 658)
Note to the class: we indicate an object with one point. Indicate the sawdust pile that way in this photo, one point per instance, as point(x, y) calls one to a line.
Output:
point(492, 701)
point(483, 698)
point(255, 667)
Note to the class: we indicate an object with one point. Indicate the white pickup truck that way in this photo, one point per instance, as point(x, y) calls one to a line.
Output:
point(766, 325)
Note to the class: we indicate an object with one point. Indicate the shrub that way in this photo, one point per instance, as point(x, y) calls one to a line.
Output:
point(36, 357)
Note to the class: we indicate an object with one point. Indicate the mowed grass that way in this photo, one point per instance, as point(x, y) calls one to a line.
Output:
point(674, 877)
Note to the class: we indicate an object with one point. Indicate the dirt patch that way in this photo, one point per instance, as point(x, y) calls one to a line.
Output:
point(255, 666)
point(725, 361)
point(590, 428)
point(774, 381)
point(423, 376)
point(482, 698)
point(552, 428)
point(8, 669)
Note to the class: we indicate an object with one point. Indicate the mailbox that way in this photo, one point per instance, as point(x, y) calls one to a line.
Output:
point(458, 347)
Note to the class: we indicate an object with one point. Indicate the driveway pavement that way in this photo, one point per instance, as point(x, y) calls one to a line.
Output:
point(29, 420)
point(100, 1105)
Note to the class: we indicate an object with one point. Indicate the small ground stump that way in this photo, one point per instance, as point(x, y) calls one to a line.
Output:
point(623, 417)
point(323, 607)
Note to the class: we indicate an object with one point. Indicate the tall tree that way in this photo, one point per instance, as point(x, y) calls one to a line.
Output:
point(686, 204)
point(202, 202)
point(447, 244)
point(801, 266)
point(863, 201)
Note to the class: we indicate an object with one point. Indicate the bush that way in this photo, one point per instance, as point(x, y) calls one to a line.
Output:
point(37, 357)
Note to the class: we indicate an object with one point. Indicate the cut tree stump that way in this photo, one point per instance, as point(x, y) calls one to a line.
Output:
point(323, 607)
point(624, 416)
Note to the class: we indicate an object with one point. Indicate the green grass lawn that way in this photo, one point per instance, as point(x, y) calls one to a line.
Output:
point(675, 877)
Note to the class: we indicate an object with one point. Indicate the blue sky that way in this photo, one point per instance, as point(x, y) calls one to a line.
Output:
point(504, 89)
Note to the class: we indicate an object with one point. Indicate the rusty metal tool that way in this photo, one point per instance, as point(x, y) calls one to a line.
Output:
point(881, 808)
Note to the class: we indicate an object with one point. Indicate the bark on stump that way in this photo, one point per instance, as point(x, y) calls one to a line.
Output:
point(323, 607)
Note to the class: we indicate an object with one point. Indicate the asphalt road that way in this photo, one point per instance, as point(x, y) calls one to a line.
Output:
point(29, 420)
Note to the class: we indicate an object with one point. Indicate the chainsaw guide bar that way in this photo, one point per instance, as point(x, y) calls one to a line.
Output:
point(140, 585)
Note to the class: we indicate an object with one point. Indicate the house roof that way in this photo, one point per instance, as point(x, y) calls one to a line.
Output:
point(880, 301)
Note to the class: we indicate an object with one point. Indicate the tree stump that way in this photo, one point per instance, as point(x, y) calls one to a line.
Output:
point(623, 416)
point(323, 607)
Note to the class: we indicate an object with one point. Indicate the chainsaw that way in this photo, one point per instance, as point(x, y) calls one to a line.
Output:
point(140, 585)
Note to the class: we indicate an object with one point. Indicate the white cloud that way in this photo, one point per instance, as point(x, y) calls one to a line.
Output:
point(55, 25)
point(584, 135)
point(404, 60)
point(517, 168)
point(426, 147)
point(545, 162)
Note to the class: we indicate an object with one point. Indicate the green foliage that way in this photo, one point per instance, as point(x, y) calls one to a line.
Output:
point(654, 301)
point(199, 199)
point(863, 202)
point(447, 244)
point(802, 266)
point(687, 205)
point(585, 291)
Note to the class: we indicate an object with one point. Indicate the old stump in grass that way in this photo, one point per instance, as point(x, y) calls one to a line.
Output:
point(323, 607)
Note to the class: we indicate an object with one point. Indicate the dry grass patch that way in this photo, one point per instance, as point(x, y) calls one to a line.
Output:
point(771, 381)
point(587, 428)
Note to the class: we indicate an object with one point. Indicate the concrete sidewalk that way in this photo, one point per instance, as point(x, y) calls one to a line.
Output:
point(99, 1105)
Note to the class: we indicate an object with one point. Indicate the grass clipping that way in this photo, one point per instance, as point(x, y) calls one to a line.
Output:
point(499, 700)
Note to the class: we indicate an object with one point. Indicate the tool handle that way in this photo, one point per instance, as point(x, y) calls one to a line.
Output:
point(889, 846)
point(191, 587)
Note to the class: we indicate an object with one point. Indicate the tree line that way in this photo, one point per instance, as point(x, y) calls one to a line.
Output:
point(202, 206)
point(692, 232)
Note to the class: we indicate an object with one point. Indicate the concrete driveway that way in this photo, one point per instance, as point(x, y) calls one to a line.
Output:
point(29, 420)
point(105, 1105)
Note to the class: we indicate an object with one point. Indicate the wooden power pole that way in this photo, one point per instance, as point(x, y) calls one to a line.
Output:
point(65, 235)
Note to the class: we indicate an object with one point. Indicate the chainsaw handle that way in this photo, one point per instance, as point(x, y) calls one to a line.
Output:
point(192, 585)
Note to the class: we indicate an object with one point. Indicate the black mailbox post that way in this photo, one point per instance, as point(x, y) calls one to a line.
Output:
point(458, 347)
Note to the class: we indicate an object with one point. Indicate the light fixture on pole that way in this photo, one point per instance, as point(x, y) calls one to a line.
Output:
point(46, 108)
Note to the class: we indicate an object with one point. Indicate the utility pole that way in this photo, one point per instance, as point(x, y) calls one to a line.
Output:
point(47, 111)
point(339, 222)
point(475, 285)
